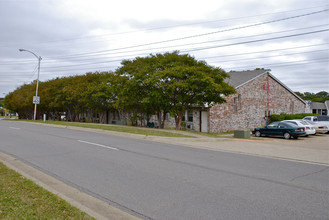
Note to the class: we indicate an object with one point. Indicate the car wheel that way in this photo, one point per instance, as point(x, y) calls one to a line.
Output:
point(306, 135)
point(286, 135)
point(295, 137)
point(258, 134)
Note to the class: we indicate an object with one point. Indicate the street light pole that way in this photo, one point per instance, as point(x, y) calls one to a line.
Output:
point(36, 92)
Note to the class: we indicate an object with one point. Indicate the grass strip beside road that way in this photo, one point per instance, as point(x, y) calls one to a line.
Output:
point(20, 198)
point(118, 128)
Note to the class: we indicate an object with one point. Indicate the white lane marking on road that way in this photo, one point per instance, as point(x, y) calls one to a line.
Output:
point(99, 145)
point(14, 128)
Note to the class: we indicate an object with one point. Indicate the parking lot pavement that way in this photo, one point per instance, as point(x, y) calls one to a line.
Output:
point(312, 149)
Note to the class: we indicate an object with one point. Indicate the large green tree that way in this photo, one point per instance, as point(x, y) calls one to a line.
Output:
point(172, 83)
point(314, 97)
point(74, 95)
point(20, 100)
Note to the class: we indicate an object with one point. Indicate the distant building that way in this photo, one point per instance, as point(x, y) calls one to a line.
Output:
point(320, 108)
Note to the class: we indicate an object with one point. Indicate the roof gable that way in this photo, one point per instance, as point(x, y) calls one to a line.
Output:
point(240, 78)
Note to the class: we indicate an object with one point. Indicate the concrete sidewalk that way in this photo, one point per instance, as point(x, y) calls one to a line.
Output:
point(308, 149)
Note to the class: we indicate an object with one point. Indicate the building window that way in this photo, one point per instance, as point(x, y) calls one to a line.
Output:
point(324, 112)
point(235, 104)
point(190, 115)
point(239, 101)
point(292, 105)
point(314, 111)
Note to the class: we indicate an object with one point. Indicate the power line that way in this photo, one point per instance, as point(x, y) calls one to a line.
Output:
point(47, 61)
point(108, 68)
point(205, 42)
point(263, 51)
point(203, 58)
point(274, 38)
point(320, 60)
point(225, 61)
point(111, 61)
point(175, 26)
point(194, 36)
point(146, 53)
point(255, 41)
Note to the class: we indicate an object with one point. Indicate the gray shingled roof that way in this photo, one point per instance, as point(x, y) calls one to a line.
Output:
point(318, 105)
point(238, 78)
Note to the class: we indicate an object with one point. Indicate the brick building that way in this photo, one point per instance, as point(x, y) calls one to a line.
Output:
point(320, 108)
point(258, 94)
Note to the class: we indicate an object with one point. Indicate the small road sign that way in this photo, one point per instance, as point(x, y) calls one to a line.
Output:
point(36, 99)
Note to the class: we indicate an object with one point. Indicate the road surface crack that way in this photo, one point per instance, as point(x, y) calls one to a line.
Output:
point(308, 174)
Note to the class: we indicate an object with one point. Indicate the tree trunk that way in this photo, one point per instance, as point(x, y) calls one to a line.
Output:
point(163, 119)
point(178, 120)
point(148, 118)
point(102, 117)
point(159, 118)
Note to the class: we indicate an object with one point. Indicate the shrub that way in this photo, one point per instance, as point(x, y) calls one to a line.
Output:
point(282, 117)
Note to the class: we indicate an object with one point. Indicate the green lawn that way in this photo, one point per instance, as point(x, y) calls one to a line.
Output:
point(119, 128)
point(20, 198)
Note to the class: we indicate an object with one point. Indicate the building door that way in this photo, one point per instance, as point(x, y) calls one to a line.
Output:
point(204, 121)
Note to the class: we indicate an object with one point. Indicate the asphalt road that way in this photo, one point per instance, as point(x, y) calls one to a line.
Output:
point(162, 181)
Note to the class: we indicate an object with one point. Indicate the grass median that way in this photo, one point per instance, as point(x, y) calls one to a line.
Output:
point(20, 198)
point(118, 128)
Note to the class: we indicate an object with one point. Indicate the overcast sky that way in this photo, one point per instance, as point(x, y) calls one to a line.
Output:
point(290, 37)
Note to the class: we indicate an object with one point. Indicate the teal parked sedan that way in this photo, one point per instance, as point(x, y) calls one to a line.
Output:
point(280, 129)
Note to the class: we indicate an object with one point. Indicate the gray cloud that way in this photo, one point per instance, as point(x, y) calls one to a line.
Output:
point(68, 38)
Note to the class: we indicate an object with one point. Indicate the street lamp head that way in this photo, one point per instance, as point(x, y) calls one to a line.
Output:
point(21, 50)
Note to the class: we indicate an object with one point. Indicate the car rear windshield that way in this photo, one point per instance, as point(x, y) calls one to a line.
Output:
point(323, 118)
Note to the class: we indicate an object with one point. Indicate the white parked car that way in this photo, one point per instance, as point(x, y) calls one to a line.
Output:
point(319, 128)
point(309, 129)
point(320, 119)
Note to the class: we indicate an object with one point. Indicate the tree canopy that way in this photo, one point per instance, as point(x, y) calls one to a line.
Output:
point(171, 83)
point(74, 95)
point(153, 85)
point(314, 97)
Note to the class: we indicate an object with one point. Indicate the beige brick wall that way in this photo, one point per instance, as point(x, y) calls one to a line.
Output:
point(254, 99)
